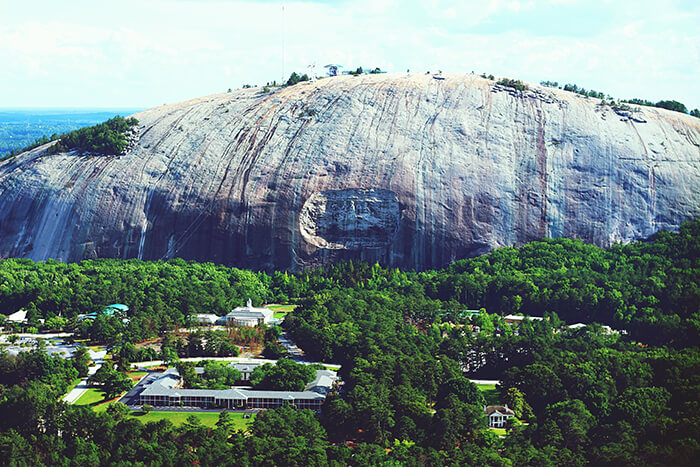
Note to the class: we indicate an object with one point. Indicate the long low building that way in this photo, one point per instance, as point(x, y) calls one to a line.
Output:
point(166, 391)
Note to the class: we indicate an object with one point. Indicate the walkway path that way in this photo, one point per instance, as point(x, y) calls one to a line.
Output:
point(79, 390)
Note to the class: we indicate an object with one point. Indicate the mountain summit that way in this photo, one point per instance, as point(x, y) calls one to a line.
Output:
point(411, 170)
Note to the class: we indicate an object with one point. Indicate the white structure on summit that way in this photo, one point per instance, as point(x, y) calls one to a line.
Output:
point(333, 69)
point(249, 315)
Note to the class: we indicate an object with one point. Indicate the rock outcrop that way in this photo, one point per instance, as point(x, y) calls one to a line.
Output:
point(402, 169)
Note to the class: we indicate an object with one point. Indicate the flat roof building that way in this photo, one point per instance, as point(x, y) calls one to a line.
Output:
point(166, 391)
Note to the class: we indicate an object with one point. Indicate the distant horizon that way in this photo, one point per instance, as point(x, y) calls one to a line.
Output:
point(66, 108)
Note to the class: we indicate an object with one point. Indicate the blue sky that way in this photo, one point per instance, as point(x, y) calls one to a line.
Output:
point(146, 53)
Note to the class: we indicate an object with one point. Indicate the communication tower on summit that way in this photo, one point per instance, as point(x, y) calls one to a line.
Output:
point(284, 33)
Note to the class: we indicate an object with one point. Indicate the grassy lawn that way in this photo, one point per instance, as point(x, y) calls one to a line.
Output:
point(206, 418)
point(91, 397)
point(280, 311)
point(282, 308)
point(490, 393)
point(136, 375)
point(499, 431)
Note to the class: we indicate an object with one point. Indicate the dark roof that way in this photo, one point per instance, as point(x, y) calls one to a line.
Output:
point(501, 409)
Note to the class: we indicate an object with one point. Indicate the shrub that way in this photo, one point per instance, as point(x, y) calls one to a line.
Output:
point(295, 78)
point(672, 105)
point(106, 138)
point(513, 83)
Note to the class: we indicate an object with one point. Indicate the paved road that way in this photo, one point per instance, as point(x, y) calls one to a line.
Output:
point(227, 359)
point(79, 390)
point(48, 335)
point(294, 351)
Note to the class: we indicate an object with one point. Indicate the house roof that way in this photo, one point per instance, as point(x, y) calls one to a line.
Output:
point(245, 314)
point(165, 386)
point(249, 312)
point(245, 367)
point(499, 409)
point(520, 318)
point(323, 382)
point(206, 316)
point(119, 306)
point(18, 316)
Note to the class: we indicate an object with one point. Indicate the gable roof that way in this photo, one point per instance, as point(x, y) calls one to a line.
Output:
point(249, 312)
point(323, 382)
point(18, 316)
point(499, 409)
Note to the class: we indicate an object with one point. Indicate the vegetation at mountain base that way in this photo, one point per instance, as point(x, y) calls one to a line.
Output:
point(587, 394)
point(108, 138)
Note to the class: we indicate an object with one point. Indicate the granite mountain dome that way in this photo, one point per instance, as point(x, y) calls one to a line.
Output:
point(405, 169)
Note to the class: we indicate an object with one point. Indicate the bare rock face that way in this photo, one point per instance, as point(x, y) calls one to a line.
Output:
point(402, 169)
point(351, 219)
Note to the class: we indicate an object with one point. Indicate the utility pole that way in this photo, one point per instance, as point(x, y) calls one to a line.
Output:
point(284, 33)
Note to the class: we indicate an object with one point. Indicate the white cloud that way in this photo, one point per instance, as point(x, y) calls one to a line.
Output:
point(146, 53)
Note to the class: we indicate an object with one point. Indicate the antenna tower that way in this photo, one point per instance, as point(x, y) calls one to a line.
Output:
point(284, 33)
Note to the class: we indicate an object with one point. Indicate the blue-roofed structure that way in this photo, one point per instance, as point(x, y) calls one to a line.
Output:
point(109, 310)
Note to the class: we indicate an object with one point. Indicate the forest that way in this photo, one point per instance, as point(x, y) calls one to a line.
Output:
point(623, 395)
point(107, 138)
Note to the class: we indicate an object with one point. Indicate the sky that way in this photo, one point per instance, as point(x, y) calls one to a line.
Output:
point(146, 53)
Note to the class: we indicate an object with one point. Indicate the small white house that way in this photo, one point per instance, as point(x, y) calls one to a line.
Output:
point(498, 415)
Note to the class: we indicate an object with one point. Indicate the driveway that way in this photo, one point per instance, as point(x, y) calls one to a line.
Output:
point(97, 357)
